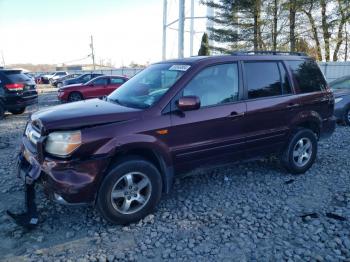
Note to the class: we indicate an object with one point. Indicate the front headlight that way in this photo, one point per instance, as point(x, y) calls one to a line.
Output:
point(63, 143)
point(337, 100)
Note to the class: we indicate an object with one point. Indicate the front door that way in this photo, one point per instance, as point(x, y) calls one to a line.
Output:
point(215, 130)
point(97, 88)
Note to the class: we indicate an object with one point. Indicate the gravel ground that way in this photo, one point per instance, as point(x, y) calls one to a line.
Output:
point(248, 212)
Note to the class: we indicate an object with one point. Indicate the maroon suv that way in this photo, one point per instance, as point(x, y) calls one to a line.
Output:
point(120, 153)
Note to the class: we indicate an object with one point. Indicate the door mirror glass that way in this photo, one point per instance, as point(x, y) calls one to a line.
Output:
point(187, 103)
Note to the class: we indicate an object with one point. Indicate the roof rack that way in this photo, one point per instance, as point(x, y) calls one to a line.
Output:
point(268, 53)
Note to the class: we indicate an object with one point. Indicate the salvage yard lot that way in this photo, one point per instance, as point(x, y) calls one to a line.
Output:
point(251, 211)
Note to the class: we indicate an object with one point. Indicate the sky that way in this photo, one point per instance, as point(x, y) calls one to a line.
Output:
point(58, 31)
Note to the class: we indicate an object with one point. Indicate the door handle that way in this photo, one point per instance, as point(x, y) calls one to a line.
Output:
point(235, 114)
point(290, 106)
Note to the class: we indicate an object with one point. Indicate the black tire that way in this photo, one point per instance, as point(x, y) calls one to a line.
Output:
point(2, 112)
point(74, 97)
point(111, 209)
point(290, 161)
point(17, 111)
point(347, 116)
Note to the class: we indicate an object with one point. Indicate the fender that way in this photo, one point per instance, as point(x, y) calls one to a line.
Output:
point(306, 117)
point(143, 142)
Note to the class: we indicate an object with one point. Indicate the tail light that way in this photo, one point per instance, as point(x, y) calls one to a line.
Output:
point(15, 87)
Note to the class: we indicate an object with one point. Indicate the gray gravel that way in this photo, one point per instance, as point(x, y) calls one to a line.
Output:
point(247, 212)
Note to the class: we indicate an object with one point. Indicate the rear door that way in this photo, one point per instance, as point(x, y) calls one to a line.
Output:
point(114, 83)
point(311, 87)
point(270, 105)
point(215, 131)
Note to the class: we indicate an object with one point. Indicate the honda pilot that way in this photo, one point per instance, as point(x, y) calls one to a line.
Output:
point(120, 153)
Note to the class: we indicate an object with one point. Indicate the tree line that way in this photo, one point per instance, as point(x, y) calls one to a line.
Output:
point(316, 27)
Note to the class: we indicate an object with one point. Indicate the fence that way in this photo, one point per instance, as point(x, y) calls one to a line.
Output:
point(331, 70)
point(334, 70)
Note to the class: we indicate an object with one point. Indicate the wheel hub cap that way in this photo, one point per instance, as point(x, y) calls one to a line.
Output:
point(131, 192)
point(302, 152)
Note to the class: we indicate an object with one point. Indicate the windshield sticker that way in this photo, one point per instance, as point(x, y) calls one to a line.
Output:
point(179, 67)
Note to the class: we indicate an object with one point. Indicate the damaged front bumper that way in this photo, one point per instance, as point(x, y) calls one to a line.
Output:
point(71, 182)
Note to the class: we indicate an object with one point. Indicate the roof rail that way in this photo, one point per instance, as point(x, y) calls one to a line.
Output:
point(268, 53)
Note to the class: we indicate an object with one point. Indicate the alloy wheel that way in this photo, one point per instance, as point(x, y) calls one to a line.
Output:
point(131, 193)
point(302, 152)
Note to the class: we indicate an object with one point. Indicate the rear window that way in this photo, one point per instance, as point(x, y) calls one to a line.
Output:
point(307, 75)
point(16, 76)
point(266, 79)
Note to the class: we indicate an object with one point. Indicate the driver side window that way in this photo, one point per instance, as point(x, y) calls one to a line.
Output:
point(100, 82)
point(215, 85)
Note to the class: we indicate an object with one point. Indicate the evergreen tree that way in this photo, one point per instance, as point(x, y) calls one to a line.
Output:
point(204, 49)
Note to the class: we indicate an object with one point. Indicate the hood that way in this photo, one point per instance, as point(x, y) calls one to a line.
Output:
point(72, 85)
point(341, 92)
point(84, 113)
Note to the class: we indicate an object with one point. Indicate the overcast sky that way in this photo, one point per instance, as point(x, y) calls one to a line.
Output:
point(57, 31)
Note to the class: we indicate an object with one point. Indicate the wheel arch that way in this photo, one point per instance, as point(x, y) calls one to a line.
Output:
point(154, 155)
point(310, 120)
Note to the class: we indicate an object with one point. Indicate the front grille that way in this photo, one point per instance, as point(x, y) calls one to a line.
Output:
point(32, 134)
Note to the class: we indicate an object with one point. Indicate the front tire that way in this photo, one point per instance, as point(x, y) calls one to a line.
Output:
point(17, 111)
point(130, 191)
point(301, 151)
point(74, 97)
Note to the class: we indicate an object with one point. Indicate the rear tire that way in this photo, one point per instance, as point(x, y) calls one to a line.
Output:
point(301, 151)
point(74, 97)
point(17, 111)
point(347, 116)
point(137, 187)
point(2, 112)
point(59, 85)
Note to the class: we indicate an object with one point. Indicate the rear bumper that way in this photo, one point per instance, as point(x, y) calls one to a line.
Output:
point(15, 102)
point(328, 127)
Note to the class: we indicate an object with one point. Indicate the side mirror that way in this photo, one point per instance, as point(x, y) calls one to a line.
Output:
point(187, 103)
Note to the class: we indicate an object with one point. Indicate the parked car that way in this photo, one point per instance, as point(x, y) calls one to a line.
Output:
point(98, 87)
point(39, 79)
point(53, 75)
point(17, 91)
point(81, 79)
point(122, 152)
point(59, 81)
point(341, 90)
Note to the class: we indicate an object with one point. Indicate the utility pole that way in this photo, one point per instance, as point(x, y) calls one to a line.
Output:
point(181, 28)
point(192, 28)
point(165, 14)
point(3, 59)
point(92, 52)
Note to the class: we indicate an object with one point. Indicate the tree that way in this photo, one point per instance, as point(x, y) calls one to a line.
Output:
point(204, 49)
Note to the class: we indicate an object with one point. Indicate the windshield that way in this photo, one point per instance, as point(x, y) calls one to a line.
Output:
point(342, 84)
point(148, 86)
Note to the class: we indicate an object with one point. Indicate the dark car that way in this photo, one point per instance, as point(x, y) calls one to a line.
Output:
point(341, 90)
point(81, 79)
point(59, 81)
point(17, 91)
point(120, 153)
point(98, 87)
